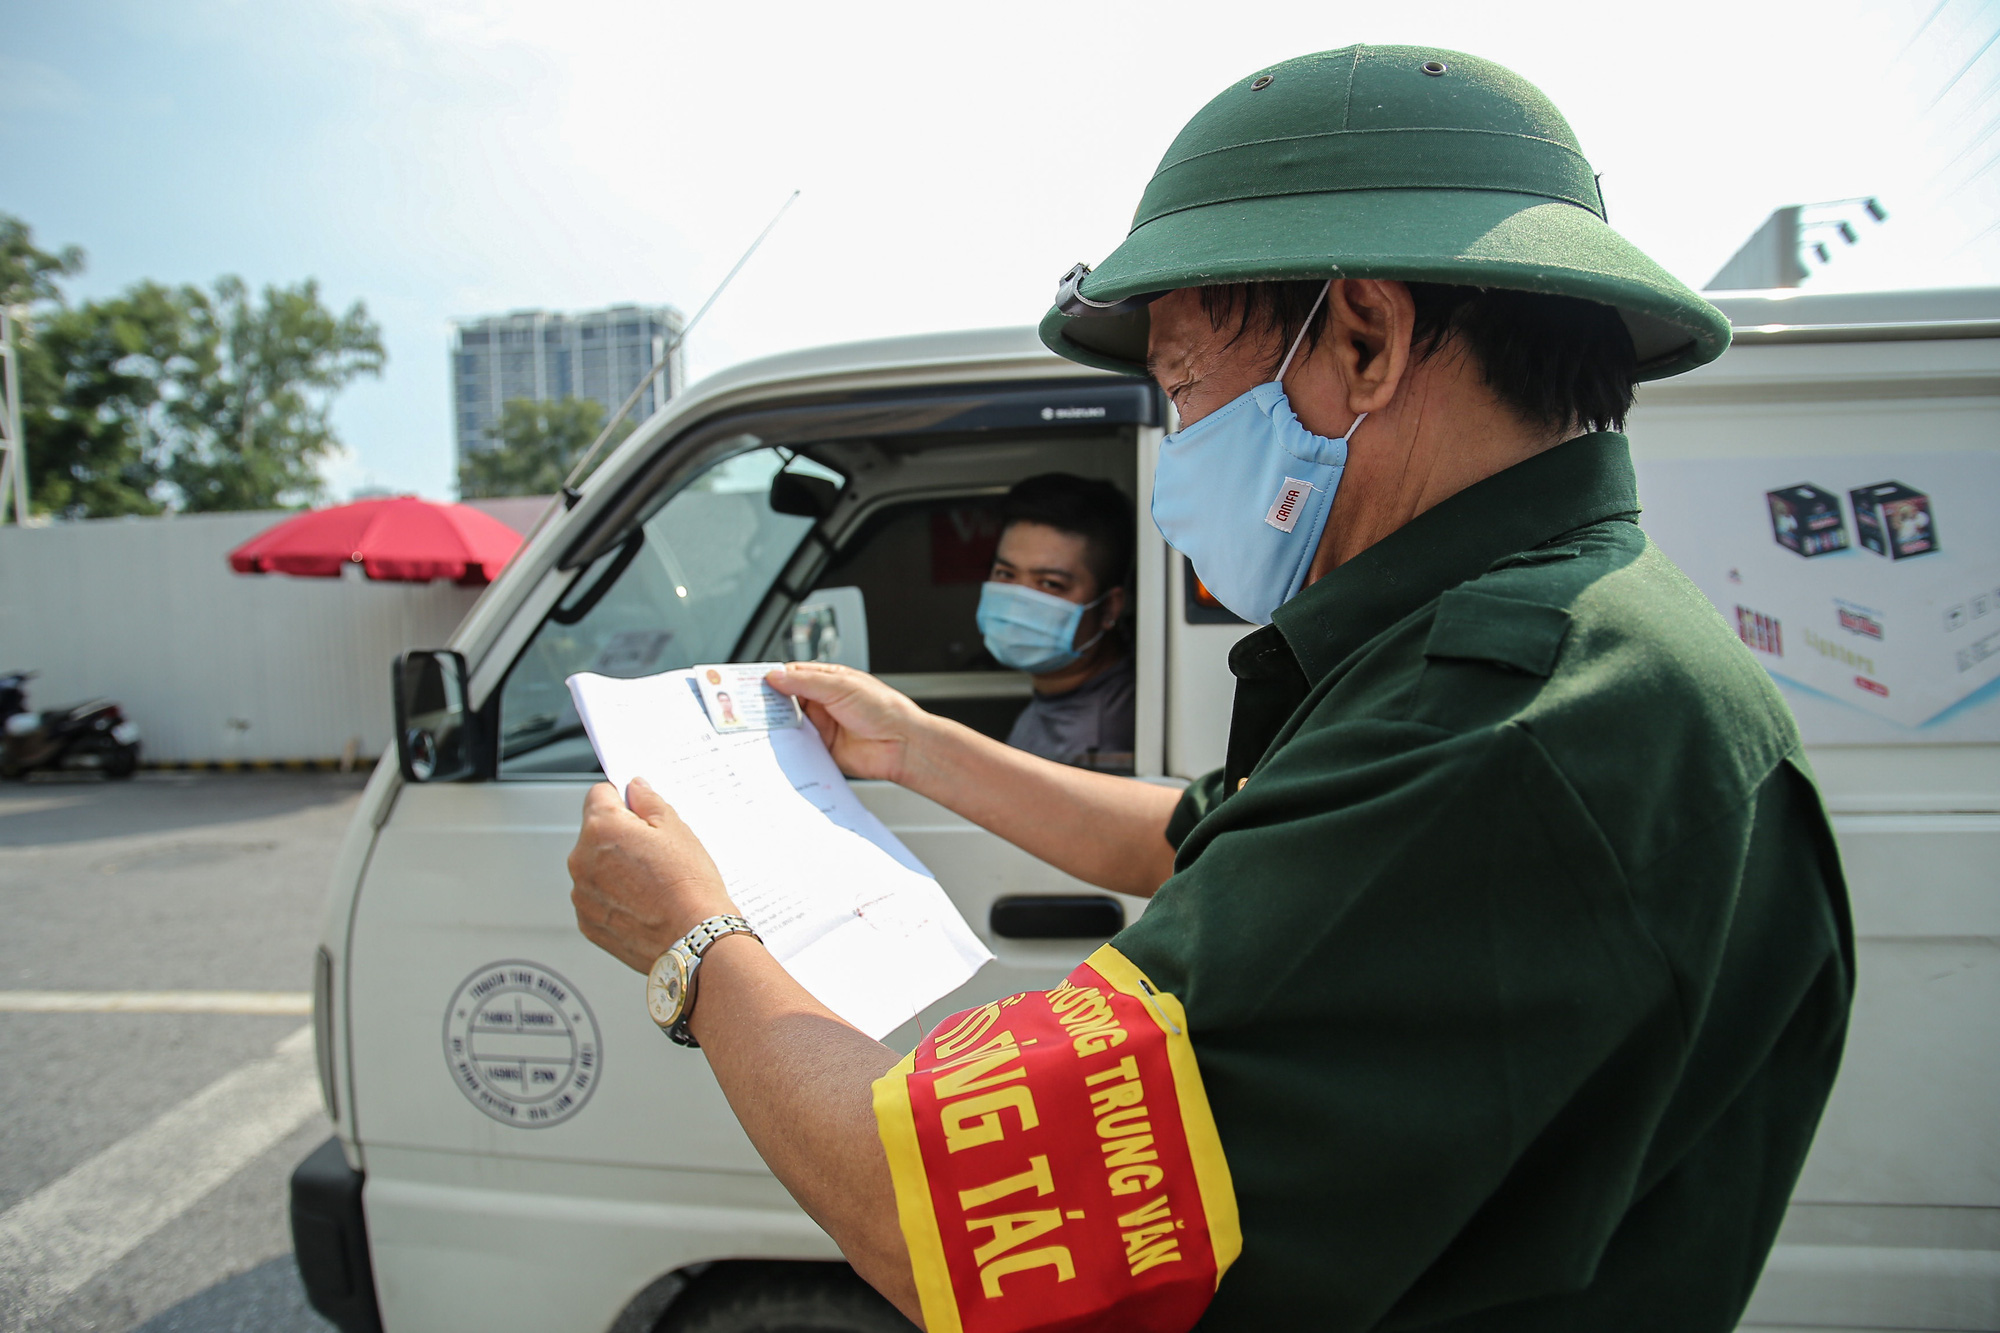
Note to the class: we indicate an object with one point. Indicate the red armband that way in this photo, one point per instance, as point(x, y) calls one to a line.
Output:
point(1055, 1163)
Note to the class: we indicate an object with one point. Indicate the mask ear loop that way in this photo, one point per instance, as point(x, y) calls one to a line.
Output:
point(1318, 301)
point(1102, 630)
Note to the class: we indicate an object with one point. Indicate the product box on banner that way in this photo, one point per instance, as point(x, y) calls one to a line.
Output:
point(1897, 613)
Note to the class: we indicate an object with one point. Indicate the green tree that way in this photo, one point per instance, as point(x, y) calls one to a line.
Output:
point(173, 395)
point(83, 403)
point(535, 444)
point(245, 411)
point(28, 273)
point(92, 377)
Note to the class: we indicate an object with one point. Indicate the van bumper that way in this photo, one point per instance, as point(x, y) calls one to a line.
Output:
point(330, 1240)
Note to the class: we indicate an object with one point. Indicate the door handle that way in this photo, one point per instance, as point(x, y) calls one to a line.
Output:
point(1076, 916)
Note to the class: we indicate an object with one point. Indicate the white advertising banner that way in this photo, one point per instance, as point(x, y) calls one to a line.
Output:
point(1868, 585)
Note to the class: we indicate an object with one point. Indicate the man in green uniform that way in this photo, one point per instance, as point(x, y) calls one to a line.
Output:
point(1510, 947)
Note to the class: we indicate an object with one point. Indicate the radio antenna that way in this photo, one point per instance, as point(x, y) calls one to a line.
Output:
point(673, 345)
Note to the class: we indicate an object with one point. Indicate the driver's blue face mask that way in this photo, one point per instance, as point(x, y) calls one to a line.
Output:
point(1031, 630)
point(1245, 492)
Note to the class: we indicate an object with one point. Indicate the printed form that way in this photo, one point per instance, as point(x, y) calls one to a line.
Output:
point(853, 916)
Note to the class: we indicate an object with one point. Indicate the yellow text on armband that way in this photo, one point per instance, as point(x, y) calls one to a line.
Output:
point(1000, 1254)
point(1086, 1015)
point(970, 1120)
point(1125, 1128)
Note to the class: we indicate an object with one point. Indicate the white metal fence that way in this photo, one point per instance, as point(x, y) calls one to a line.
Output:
point(211, 665)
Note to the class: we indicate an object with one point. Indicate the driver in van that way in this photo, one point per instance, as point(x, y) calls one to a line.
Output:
point(1498, 980)
point(1051, 608)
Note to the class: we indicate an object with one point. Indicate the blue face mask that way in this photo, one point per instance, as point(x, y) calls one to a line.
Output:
point(1032, 631)
point(1244, 493)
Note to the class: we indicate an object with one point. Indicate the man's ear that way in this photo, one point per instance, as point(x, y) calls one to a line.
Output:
point(1368, 323)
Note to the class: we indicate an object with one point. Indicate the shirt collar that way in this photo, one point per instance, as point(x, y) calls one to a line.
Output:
point(1108, 676)
point(1579, 482)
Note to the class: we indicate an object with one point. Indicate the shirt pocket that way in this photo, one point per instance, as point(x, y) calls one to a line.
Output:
point(1486, 658)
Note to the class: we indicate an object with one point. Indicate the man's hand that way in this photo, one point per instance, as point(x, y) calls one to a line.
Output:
point(798, 1076)
point(642, 879)
point(1105, 830)
point(871, 730)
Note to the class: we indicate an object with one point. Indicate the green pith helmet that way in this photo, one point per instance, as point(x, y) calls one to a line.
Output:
point(1378, 162)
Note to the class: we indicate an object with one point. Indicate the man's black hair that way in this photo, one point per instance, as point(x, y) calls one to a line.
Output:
point(1561, 363)
point(1096, 511)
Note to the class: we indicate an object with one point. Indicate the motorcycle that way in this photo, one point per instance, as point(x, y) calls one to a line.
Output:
point(93, 735)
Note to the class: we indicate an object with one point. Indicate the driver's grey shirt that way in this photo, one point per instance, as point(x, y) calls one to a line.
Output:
point(1090, 725)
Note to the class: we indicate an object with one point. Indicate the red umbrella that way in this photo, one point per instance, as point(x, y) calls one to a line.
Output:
point(403, 540)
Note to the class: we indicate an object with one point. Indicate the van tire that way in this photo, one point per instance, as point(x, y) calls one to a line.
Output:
point(761, 1297)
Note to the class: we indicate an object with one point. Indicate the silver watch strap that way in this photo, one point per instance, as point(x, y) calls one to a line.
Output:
point(706, 933)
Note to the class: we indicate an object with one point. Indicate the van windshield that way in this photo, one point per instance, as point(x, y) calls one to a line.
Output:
point(679, 591)
point(857, 530)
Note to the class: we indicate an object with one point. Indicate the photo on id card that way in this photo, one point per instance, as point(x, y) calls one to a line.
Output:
point(738, 698)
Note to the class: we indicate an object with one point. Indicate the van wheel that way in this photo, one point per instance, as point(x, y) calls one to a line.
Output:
point(756, 1297)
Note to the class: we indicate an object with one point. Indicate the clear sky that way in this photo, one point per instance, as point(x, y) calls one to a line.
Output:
point(444, 158)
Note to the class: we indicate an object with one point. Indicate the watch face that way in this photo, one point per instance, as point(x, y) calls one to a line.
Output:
point(666, 988)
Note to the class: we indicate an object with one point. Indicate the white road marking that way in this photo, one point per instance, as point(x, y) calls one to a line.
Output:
point(32, 805)
point(155, 1002)
point(59, 1238)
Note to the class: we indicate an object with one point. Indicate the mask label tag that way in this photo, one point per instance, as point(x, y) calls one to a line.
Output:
point(1291, 502)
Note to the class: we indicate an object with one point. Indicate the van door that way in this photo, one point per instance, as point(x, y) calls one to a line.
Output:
point(914, 548)
point(536, 1151)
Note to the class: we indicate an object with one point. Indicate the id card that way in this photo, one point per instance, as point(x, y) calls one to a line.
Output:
point(738, 698)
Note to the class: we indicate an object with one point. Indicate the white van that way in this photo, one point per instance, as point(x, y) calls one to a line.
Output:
point(519, 1148)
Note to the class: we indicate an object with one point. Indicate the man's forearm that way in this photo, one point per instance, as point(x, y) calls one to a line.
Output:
point(1105, 830)
point(800, 1080)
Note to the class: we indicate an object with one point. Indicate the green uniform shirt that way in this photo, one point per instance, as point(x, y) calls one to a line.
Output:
point(1513, 937)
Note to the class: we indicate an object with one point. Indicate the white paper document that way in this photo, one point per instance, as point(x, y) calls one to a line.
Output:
point(837, 898)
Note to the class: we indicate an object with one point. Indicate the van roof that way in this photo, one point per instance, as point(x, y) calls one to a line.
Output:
point(1018, 349)
point(1795, 308)
point(1005, 351)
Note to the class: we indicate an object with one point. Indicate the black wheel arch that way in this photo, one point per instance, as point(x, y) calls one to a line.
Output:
point(761, 1296)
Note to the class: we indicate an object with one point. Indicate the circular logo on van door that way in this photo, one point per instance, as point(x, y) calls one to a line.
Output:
point(521, 1044)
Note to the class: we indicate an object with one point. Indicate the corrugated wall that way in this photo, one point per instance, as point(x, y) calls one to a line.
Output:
point(210, 664)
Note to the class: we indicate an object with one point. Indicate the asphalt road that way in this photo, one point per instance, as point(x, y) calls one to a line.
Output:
point(169, 882)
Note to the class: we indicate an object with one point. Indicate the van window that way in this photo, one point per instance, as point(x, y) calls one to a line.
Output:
point(920, 566)
point(906, 537)
point(681, 591)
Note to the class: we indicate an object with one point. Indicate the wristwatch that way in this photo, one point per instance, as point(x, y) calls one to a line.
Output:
point(670, 983)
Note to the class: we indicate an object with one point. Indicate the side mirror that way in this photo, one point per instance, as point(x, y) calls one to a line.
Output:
point(803, 496)
point(830, 625)
point(434, 723)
